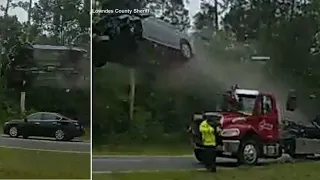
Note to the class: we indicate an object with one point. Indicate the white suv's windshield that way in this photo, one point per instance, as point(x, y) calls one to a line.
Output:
point(246, 103)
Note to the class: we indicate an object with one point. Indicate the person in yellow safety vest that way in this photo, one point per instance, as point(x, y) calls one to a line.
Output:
point(209, 131)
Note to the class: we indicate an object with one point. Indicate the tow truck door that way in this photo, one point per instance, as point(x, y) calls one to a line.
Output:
point(269, 123)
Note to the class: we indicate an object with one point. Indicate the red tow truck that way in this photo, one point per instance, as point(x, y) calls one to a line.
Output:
point(251, 128)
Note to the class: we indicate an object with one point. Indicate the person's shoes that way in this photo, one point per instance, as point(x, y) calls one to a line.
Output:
point(212, 169)
point(208, 168)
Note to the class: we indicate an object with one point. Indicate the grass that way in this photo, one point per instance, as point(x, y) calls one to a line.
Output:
point(142, 150)
point(87, 135)
point(297, 171)
point(28, 164)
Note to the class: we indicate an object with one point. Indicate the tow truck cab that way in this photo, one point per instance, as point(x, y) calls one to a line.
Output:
point(250, 126)
point(254, 126)
point(250, 129)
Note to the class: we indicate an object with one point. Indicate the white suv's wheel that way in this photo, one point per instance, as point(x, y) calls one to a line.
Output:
point(59, 135)
point(13, 131)
point(186, 50)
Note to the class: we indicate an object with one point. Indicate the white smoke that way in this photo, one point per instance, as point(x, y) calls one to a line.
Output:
point(206, 72)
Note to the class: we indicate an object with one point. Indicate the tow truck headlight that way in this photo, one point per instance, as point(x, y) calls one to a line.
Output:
point(230, 132)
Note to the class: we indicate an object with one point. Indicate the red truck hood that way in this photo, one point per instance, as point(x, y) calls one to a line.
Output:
point(228, 118)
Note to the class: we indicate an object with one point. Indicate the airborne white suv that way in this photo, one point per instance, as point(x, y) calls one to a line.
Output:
point(156, 31)
point(166, 34)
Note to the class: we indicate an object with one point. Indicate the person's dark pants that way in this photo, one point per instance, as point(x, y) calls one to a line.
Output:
point(210, 158)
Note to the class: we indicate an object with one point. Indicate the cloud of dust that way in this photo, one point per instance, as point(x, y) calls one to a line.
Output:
point(208, 73)
point(66, 79)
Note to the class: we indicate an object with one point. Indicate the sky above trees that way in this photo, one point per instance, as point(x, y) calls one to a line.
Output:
point(193, 6)
point(22, 15)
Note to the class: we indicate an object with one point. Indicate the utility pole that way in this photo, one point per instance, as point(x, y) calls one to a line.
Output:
point(216, 15)
point(29, 21)
point(132, 92)
point(23, 93)
point(6, 10)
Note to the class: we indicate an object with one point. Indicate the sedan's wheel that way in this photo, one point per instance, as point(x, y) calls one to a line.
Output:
point(13, 131)
point(186, 50)
point(59, 135)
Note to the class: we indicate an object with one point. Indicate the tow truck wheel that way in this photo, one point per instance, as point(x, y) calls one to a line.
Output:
point(198, 153)
point(248, 153)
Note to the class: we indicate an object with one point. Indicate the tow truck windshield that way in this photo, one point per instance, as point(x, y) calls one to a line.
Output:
point(245, 104)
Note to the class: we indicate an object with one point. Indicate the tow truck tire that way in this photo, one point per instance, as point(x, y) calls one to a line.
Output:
point(198, 153)
point(301, 156)
point(248, 152)
point(291, 151)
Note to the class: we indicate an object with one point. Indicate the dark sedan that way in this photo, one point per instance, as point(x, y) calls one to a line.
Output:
point(44, 124)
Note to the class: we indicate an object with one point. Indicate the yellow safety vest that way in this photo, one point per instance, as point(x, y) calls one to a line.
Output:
point(207, 133)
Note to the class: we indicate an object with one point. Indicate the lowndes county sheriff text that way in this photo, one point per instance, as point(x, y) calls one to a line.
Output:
point(122, 11)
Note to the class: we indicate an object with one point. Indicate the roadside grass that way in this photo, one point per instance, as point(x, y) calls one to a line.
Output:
point(87, 135)
point(142, 150)
point(29, 164)
point(290, 171)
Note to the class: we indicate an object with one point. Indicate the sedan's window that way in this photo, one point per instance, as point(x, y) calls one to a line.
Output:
point(62, 116)
point(49, 117)
point(35, 116)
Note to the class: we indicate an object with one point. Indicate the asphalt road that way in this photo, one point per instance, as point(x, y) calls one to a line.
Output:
point(105, 164)
point(44, 144)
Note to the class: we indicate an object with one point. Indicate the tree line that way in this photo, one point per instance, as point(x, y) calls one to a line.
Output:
point(49, 22)
point(287, 31)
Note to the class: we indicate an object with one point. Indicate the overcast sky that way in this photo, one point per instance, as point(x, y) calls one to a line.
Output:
point(22, 14)
point(193, 6)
